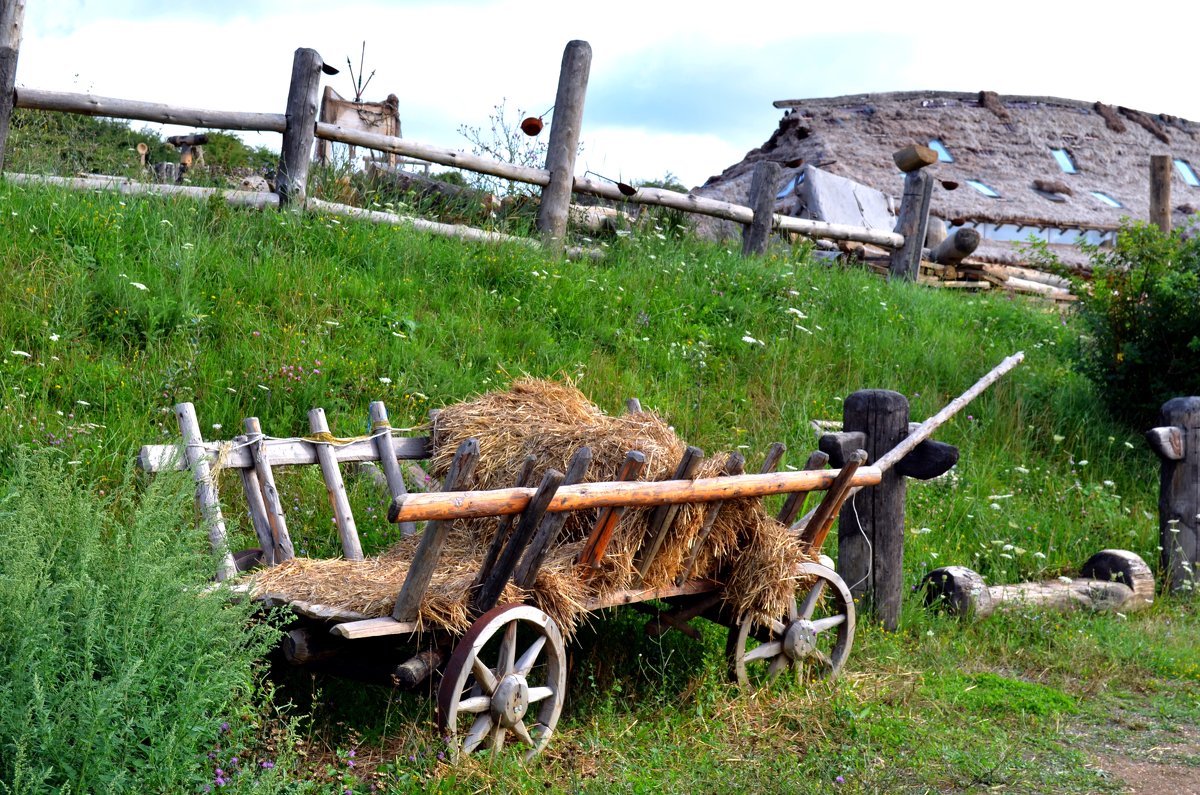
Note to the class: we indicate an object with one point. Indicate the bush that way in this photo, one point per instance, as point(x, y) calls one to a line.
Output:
point(116, 671)
point(1141, 342)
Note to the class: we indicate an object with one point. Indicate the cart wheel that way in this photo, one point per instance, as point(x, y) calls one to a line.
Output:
point(511, 661)
point(813, 639)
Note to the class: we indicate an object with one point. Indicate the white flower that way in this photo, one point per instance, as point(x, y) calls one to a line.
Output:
point(750, 340)
point(1066, 580)
point(1083, 463)
point(216, 426)
point(20, 353)
point(138, 285)
point(1021, 470)
point(797, 313)
point(264, 388)
point(332, 323)
point(383, 379)
point(1039, 555)
point(54, 338)
point(82, 403)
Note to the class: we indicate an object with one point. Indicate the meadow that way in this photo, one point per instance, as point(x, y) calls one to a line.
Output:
point(116, 308)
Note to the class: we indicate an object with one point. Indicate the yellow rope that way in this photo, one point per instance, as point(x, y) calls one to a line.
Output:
point(325, 437)
point(379, 425)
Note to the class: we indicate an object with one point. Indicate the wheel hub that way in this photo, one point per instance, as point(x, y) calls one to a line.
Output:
point(800, 640)
point(510, 702)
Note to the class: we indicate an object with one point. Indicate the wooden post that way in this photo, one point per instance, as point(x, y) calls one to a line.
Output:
point(257, 507)
point(1177, 444)
point(343, 516)
point(295, 155)
point(564, 141)
point(912, 223)
point(266, 480)
point(1160, 191)
point(763, 186)
point(12, 13)
point(387, 457)
point(206, 490)
point(871, 527)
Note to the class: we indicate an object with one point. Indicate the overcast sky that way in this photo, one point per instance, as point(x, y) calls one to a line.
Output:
point(684, 87)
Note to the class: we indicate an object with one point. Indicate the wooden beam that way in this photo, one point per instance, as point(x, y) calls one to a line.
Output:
point(524, 480)
point(291, 179)
point(386, 447)
point(206, 491)
point(606, 520)
point(239, 198)
point(764, 183)
point(261, 465)
point(664, 515)
point(374, 628)
point(89, 105)
point(342, 513)
point(284, 452)
point(794, 503)
point(547, 532)
point(914, 219)
point(735, 464)
point(564, 141)
point(257, 508)
point(1160, 191)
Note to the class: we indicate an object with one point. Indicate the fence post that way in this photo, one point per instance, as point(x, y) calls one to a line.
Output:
point(295, 156)
point(1177, 444)
point(763, 186)
point(11, 14)
point(564, 141)
point(1160, 191)
point(914, 210)
point(871, 526)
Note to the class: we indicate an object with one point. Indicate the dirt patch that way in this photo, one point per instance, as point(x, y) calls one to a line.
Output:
point(1168, 769)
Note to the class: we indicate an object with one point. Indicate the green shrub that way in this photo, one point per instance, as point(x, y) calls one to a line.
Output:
point(1141, 340)
point(116, 671)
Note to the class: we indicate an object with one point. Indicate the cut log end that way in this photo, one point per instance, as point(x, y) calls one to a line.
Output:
point(1119, 565)
point(959, 590)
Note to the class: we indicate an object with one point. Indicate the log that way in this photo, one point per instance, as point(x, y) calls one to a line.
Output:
point(764, 184)
point(1160, 192)
point(654, 196)
point(257, 508)
point(335, 486)
point(1179, 491)
point(88, 105)
point(564, 141)
point(500, 502)
point(433, 540)
point(905, 262)
point(12, 13)
point(433, 227)
point(419, 667)
point(956, 247)
point(302, 646)
point(664, 515)
point(548, 529)
point(493, 585)
point(913, 158)
point(261, 464)
point(734, 465)
point(1113, 580)
point(206, 492)
point(386, 448)
point(241, 198)
point(192, 139)
point(295, 156)
point(606, 520)
point(284, 452)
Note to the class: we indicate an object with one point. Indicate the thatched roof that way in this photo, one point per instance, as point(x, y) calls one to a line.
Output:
point(1005, 142)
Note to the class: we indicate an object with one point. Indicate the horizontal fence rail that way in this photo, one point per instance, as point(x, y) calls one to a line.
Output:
point(89, 105)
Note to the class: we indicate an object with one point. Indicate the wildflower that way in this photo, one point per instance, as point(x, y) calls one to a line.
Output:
point(20, 353)
point(383, 379)
point(268, 764)
point(54, 338)
point(138, 285)
point(839, 780)
point(1083, 463)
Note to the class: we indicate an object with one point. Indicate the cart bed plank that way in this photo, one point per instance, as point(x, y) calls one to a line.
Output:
point(646, 594)
point(374, 628)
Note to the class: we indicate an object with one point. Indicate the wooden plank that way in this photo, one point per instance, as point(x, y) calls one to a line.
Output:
point(295, 155)
point(1160, 192)
point(564, 141)
point(551, 525)
point(773, 457)
point(764, 184)
point(633, 406)
point(500, 502)
point(814, 533)
point(633, 595)
point(387, 457)
point(89, 105)
point(285, 452)
point(914, 219)
point(794, 503)
point(257, 508)
point(374, 628)
point(493, 585)
point(734, 465)
point(420, 571)
point(524, 479)
point(664, 515)
point(261, 462)
point(342, 514)
point(206, 492)
point(606, 520)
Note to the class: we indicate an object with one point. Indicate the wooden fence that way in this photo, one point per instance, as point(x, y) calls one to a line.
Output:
point(300, 128)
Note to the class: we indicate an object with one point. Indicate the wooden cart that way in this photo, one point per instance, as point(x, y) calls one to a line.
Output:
point(504, 679)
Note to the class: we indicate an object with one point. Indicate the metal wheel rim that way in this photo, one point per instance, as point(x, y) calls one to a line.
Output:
point(469, 680)
point(771, 654)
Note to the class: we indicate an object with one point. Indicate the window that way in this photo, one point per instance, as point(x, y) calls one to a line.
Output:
point(942, 153)
point(1063, 158)
point(1189, 175)
point(984, 189)
point(1109, 200)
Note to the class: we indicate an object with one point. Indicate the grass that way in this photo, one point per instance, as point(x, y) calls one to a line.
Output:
point(115, 309)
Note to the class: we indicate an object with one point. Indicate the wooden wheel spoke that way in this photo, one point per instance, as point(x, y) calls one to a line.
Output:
point(498, 734)
point(484, 676)
point(475, 704)
point(822, 624)
point(811, 599)
point(793, 611)
point(537, 694)
point(765, 651)
point(508, 650)
point(530, 656)
point(778, 628)
point(523, 734)
point(479, 730)
point(778, 665)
